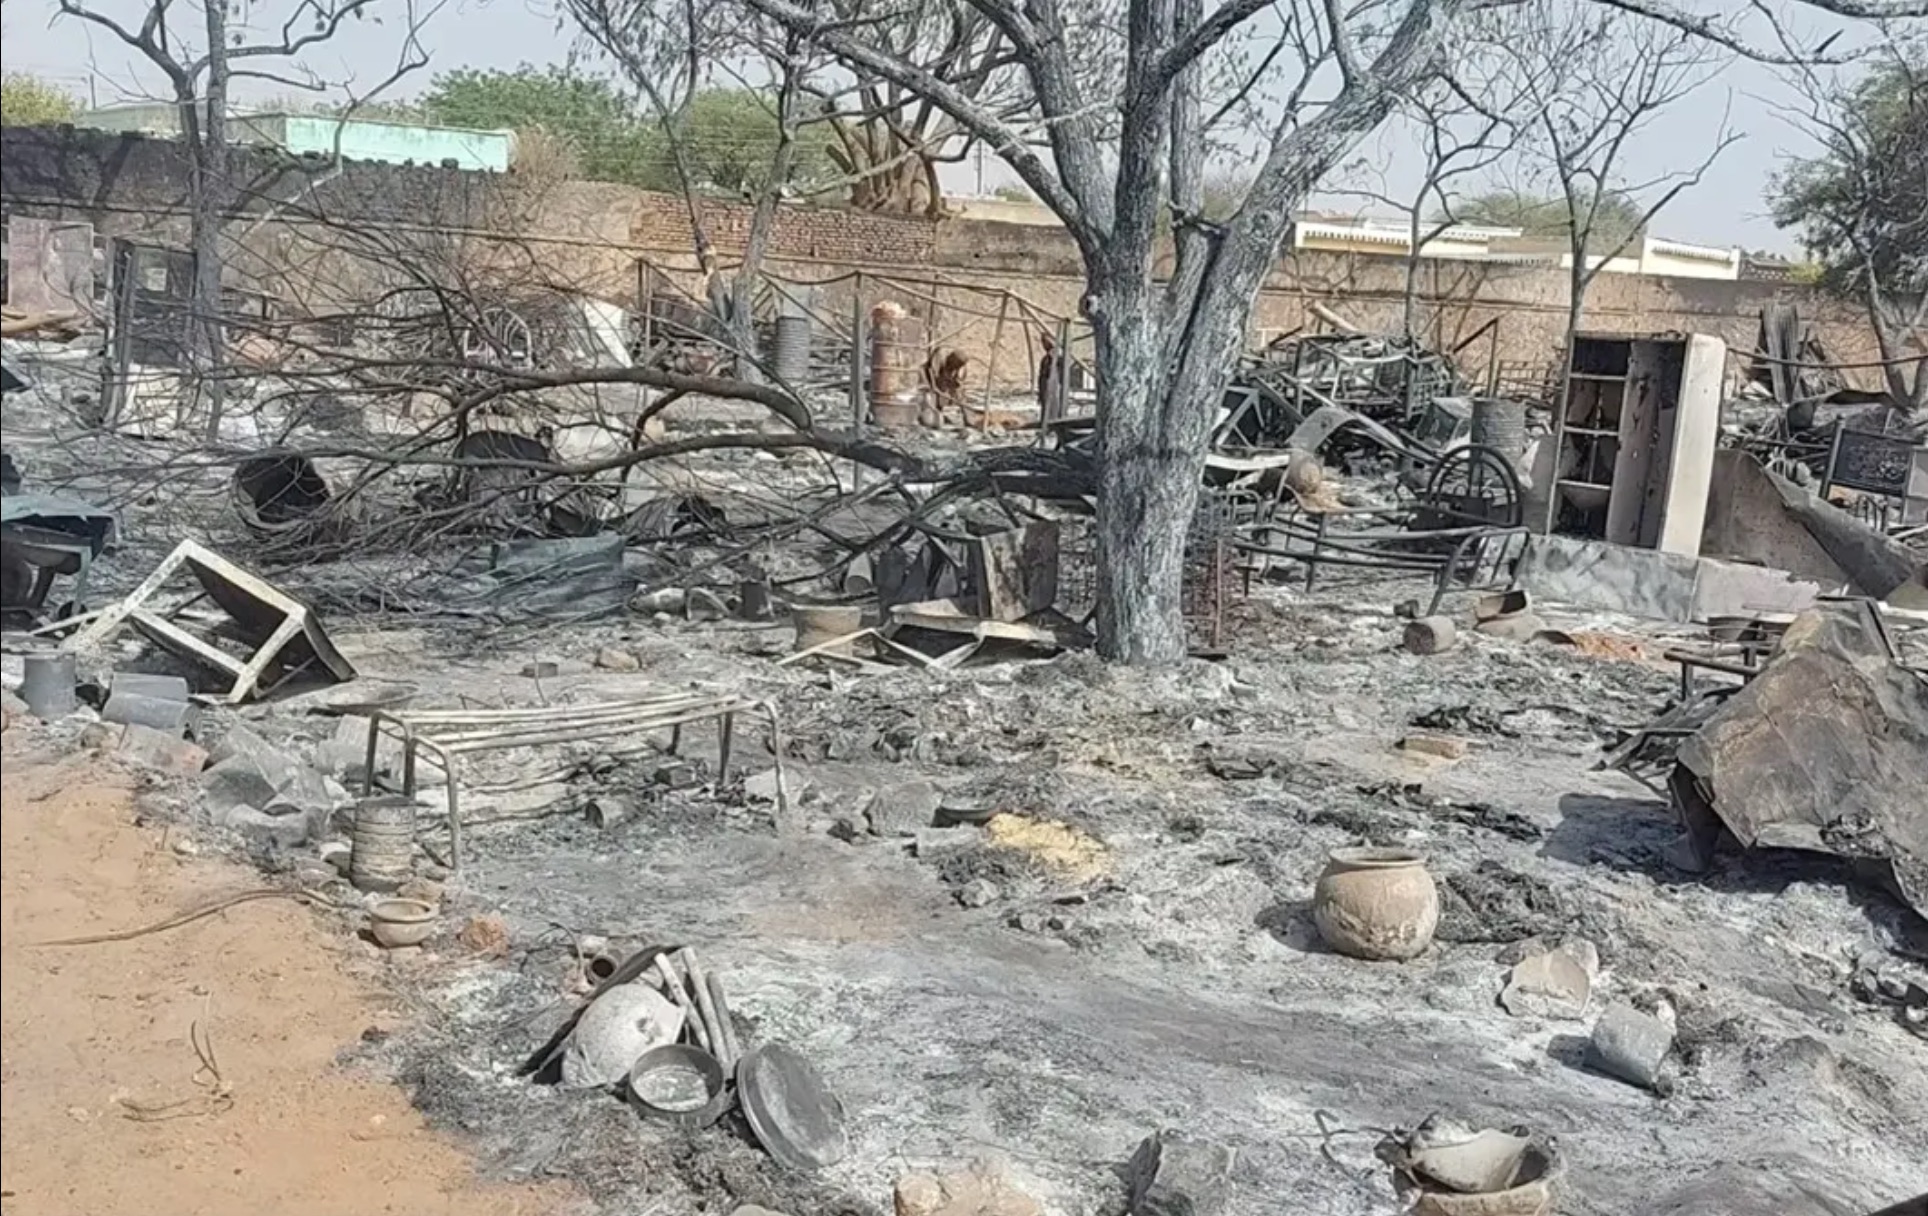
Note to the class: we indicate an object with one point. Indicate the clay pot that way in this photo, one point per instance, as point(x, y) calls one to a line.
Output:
point(1376, 903)
point(401, 922)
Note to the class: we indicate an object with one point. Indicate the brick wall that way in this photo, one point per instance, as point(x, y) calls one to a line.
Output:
point(314, 235)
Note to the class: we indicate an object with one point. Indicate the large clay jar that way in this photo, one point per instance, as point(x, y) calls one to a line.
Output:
point(1376, 903)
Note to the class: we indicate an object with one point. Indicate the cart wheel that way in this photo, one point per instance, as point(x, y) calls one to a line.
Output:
point(1474, 486)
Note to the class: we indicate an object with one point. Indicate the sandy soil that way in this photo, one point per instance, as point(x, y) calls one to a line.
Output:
point(107, 1107)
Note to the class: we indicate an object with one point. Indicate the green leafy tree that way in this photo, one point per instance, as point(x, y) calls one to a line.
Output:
point(608, 140)
point(1536, 215)
point(28, 101)
point(1861, 205)
point(731, 136)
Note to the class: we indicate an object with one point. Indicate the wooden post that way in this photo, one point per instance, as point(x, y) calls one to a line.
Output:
point(1064, 368)
point(990, 365)
point(859, 341)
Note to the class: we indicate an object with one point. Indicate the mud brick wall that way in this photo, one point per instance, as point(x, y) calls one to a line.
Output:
point(313, 234)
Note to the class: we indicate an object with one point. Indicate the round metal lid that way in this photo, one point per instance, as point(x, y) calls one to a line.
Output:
point(798, 1122)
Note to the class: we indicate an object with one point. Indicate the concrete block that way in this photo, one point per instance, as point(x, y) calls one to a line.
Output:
point(937, 842)
point(1610, 578)
point(1657, 586)
point(610, 658)
point(259, 827)
point(904, 809)
point(161, 751)
point(1731, 589)
point(344, 754)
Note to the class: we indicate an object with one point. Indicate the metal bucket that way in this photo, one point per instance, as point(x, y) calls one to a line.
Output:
point(790, 350)
point(1500, 424)
point(47, 685)
point(382, 846)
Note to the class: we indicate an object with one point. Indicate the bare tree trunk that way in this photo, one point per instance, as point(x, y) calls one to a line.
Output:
point(1148, 484)
point(209, 200)
point(1410, 310)
point(763, 221)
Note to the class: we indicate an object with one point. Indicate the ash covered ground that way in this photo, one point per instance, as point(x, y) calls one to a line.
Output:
point(1168, 974)
point(1046, 996)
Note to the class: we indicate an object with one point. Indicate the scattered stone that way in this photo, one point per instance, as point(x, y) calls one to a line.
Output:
point(1514, 953)
point(184, 847)
point(979, 1191)
point(162, 752)
point(1631, 1045)
point(978, 893)
point(250, 771)
point(1430, 635)
point(763, 786)
point(1029, 922)
point(336, 854)
point(678, 775)
point(259, 827)
point(1552, 983)
point(100, 736)
point(541, 669)
point(14, 708)
point(610, 658)
point(313, 874)
point(1514, 626)
point(236, 782)
point(487, 936)
point(751, 1209)
point(1173, 1174)
point(932, 843)
point(427, 890)
point(344, 754)
point(1443, 747)
point(904, 809)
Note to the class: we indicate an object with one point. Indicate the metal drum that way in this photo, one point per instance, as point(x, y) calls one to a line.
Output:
point(382, 855)
point(1500, 423)
point(790, 350)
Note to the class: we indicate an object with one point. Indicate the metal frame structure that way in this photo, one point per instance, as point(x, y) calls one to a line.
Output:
point(448, 734)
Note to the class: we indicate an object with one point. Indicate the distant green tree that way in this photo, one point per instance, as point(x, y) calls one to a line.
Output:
point(1861, 206)
point(729, 135)
point(730, 138)
point(601, 129)
point(28, 101)
point(1543, 216)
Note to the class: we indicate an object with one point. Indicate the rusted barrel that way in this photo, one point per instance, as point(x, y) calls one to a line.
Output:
point(897, 354)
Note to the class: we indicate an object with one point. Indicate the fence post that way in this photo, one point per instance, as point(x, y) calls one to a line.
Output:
point(859, 405)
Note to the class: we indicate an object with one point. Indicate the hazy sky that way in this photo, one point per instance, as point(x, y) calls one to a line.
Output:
point(1726, 209)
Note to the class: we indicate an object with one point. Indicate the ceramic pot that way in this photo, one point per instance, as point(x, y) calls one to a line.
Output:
point(1376, 903)
point(401, 922)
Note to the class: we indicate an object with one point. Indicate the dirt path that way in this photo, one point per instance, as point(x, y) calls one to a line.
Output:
point(95, 1035)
